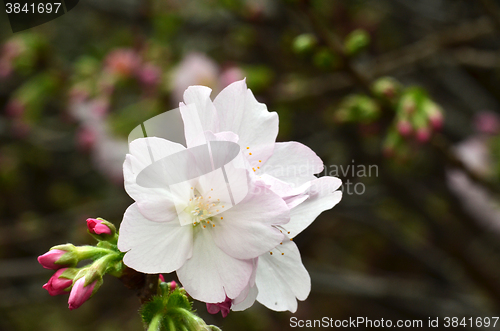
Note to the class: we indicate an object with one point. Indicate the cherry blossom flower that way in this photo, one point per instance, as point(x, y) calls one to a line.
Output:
point(184, 219)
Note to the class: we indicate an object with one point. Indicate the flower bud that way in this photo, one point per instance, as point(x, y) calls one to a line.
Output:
point(386, 88)
point(304, 43)
point(162, 279)
point(423, 134)
point(404, 127)
point(356, 41)
point(81, 293)
point(58, 283)
point(224, 307)
point(434, 114)
point(99, 226)
point(59, 257)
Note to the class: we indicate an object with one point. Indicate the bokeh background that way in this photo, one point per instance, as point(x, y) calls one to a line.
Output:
point(407, 89)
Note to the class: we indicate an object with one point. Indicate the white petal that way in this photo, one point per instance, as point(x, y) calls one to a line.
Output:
point(293, 163)
point(241, 113)
point(282, 278)
point(248, 301)
point(322, 196)
point(153, 247)
point(156, 204)
point(198, 113)
point(151, 149)
point(246, 231)
point(210, 274)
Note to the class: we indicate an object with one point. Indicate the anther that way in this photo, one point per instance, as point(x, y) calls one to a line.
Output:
point(271, 253)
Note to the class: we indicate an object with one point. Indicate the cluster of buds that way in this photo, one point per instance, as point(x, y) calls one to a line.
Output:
point(81, 283)
point(357, 108)
point(417, 117)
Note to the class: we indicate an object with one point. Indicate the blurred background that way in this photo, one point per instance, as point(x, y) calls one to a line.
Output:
point(399, 98)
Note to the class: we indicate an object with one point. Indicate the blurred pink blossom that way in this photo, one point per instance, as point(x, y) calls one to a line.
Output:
point(194, 69)
point(487, 122)
point(124, 62)
point(231, 75)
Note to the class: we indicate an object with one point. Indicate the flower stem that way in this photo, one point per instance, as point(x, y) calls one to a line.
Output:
point(155, 323)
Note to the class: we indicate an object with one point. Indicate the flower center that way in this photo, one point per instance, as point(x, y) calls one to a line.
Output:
point(204, 209)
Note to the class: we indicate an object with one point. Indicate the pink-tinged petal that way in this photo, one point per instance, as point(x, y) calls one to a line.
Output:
point(153, 247)
point(292, 162)
point(80, 293)
point(202, 118)
point(247, 229)
point(249, 294)
point(239, 112)
point(224, 307)
point(210, 274)
point(282, 278)
point(322, 196)
point(49, 259)
point(248, 300)
point(56, 285)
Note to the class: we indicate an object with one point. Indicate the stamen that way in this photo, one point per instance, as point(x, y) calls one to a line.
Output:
point(248, 147)
point(271, 253)
point(249, 153)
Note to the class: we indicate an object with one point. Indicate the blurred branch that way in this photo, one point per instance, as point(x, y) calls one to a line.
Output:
point(491, 9)
point(428, 46)
point(417, 296)
point(467, 31)
point(402, 58)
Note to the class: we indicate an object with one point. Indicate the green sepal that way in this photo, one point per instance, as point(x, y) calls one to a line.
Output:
point(70, 258)
point(171, 310)
point(70, 273)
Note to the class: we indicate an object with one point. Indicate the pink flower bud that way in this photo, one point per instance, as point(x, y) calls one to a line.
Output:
point(162, 279)
point(436, 120)
point(423, 134)
point(173, 285)
point(49, 259)
point(223, 307)
point(96, 226)
point(404, 128)
point(79, 293)
point(57, 285)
